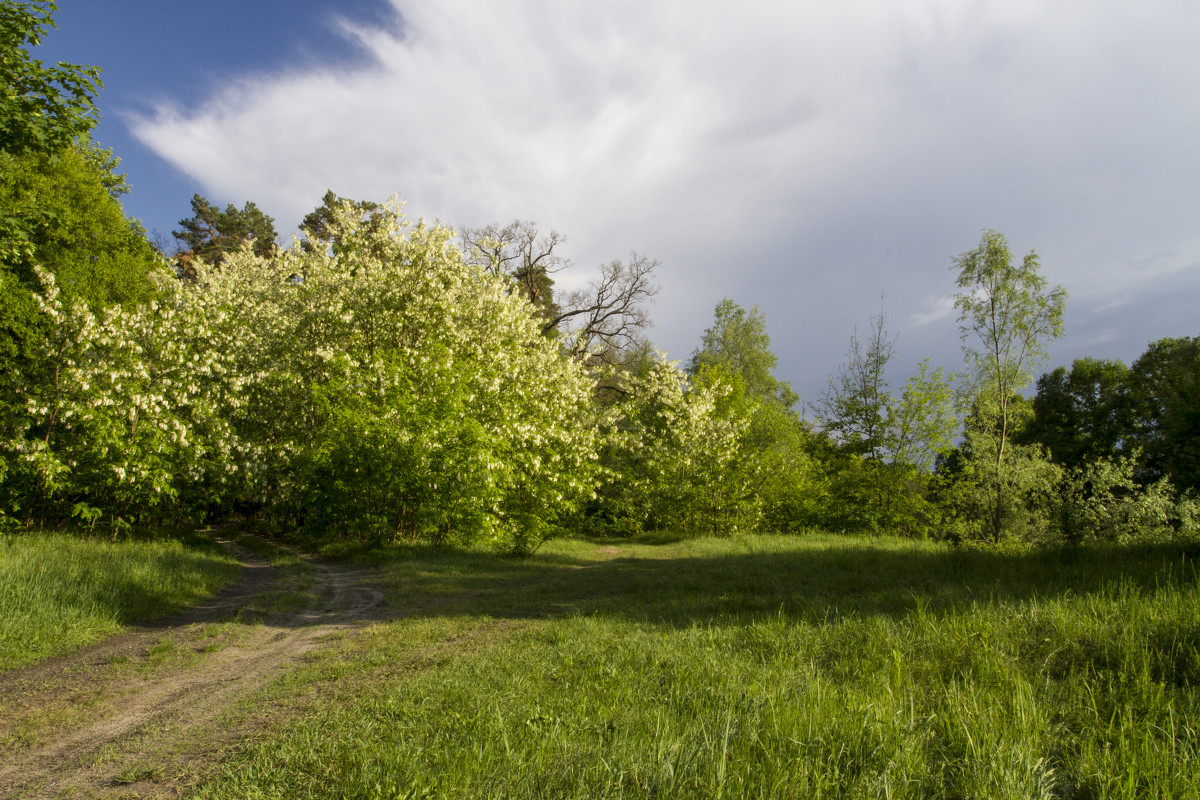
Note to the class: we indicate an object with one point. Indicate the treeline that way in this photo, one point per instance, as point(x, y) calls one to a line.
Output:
point(395, 381)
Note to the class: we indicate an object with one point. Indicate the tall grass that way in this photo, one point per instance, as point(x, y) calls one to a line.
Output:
point(754, 667)
point(61, 592)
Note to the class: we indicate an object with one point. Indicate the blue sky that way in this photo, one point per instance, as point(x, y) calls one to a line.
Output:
point(807, 158)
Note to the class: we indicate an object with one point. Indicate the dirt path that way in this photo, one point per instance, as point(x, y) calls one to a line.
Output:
point(145, 713)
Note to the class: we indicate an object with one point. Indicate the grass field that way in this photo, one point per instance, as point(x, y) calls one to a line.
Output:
point(59, 593)
point(751, 667)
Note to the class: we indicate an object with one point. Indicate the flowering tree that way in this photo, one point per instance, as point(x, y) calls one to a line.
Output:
point(392, 389)
point(674, 457)
point(127, 421)
point(383, 388)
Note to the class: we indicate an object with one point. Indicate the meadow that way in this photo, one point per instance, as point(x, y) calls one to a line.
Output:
point(60, 592)
point(813, 666)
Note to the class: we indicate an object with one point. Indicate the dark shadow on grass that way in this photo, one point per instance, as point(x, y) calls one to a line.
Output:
point(817, 584)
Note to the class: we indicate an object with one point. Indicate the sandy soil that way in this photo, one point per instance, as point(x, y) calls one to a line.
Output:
point(146, 713)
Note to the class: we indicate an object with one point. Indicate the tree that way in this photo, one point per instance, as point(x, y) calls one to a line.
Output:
point(43, 110)
point(211, 234)
point(1008, 311)
point(519, 252)
point(857, 406)
point(396, 390)
point(319, 225)
point(738, 339)
point(673, 456)
point(75, 228)
point(1164, 390)
point(1081, 415)
point(597, 324)
point(861, 412)
point(883, 445)
point(924, 423)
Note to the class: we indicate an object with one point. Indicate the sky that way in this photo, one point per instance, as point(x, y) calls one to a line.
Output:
point(823, 161)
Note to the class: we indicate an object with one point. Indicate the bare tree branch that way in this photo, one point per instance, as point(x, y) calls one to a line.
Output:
point(596, 323)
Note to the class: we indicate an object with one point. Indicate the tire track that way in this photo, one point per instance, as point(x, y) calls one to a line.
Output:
point(149, 737)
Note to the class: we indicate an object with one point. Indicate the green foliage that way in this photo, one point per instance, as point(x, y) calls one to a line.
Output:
point(673, 455)
point(126, 419)
point(857, 407)
point(738, 340)
point(379, 388)
point(879, 447)
point(1017, 497)
point(75, 226)
point(924, 421)
point(1164, 391)
point(396, 391)
point(320, 224)
point(210, 235)
point(717, 450)
point(1081, 415)
point(71, 224)
point(43, 110)
point(1009, 313)
point(1101, 500)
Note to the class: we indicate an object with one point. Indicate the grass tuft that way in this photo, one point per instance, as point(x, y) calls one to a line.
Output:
point(59, 592)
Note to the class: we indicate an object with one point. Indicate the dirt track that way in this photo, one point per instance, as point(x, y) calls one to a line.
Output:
point(145, 713)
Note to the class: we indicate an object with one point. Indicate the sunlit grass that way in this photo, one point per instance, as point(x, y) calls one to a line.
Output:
point(753, 667)
point(60, 592)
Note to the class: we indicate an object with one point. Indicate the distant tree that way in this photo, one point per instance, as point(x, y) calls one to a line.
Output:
point(521, 253)
point(738, 340)
point(320, 224)
point(866, 418)
point(1164, 389)
point(883, 444)
point(597, 324)
point(1082, 414)
point(1006, 310)
point(210, 234)
point(674, 455)
point(857, 406)
point(924, 423)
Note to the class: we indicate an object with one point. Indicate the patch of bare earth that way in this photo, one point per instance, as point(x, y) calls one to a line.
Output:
point(145, 714)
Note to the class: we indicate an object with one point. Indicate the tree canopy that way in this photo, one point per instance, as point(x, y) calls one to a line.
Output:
point(738, 340)
point(43, 109)
point(210, 234)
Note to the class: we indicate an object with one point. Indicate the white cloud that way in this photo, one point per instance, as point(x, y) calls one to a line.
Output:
point(943, 308)
point(772, 152)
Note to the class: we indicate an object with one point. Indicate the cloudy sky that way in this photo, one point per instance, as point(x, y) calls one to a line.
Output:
point(820, 160)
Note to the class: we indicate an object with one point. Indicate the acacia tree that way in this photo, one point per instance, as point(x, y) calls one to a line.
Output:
point(397, 390)
point(1008, 315)
point(673, 454)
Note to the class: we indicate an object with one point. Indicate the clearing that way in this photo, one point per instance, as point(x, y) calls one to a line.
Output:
point(151, 708)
